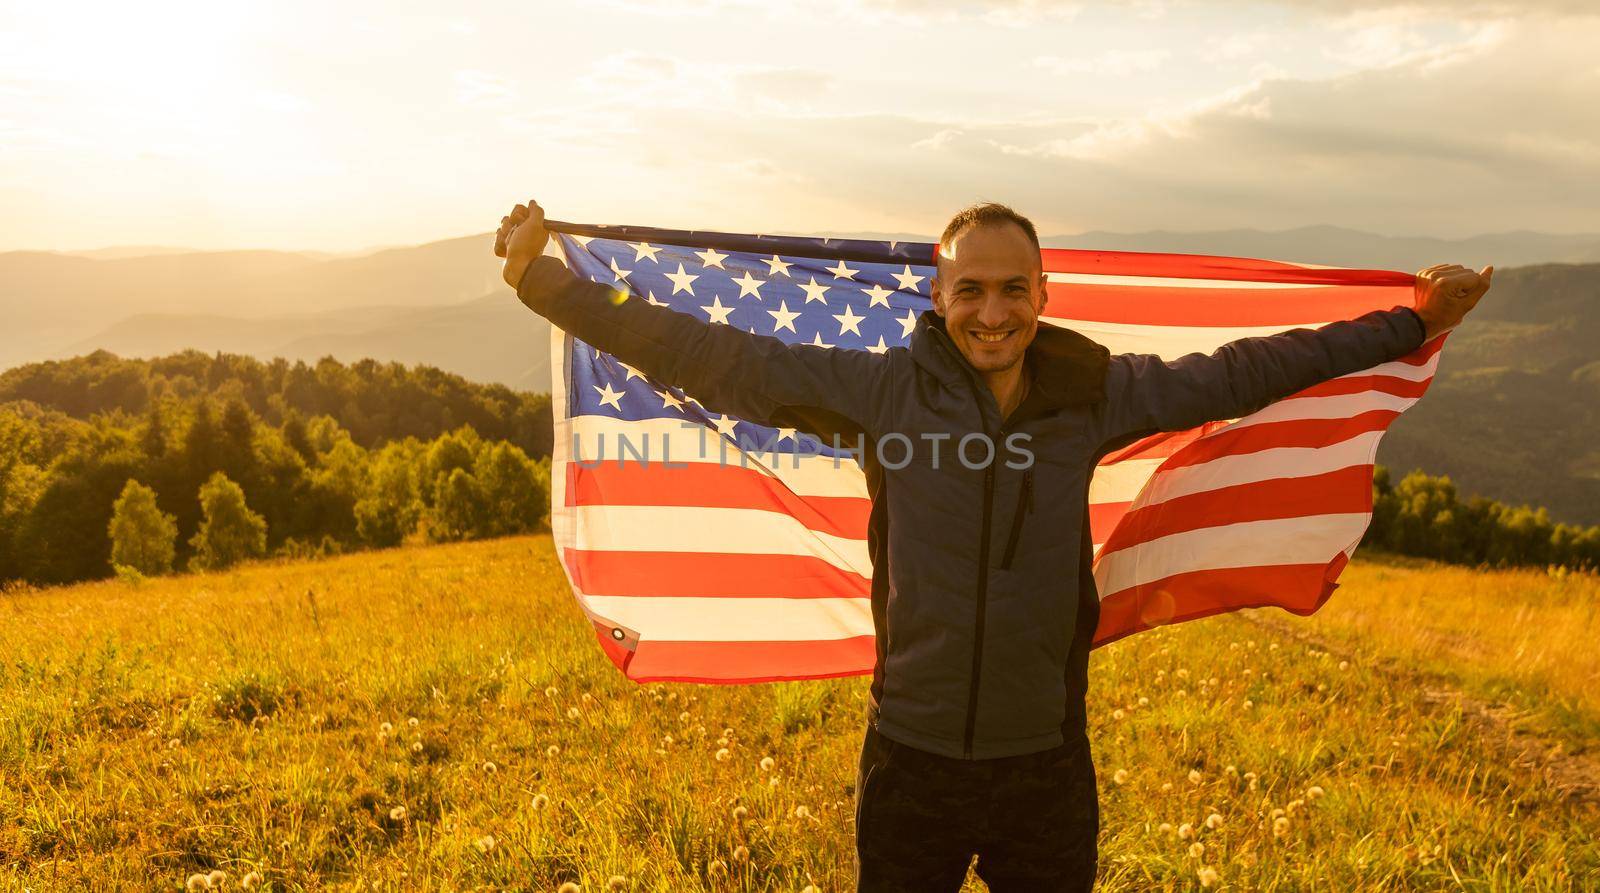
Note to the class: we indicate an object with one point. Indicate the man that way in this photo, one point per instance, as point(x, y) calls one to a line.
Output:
point(982, 597)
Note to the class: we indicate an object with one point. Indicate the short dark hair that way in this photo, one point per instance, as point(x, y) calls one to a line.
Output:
point(985, 214)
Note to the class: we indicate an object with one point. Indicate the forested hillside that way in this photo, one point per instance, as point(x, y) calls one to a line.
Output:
point(1514, 412)
point(150, 466)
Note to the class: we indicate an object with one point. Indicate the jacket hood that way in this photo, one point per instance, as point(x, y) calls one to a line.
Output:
point(1068, 368)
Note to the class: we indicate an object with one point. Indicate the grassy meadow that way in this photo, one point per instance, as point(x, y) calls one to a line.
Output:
point(440, 718)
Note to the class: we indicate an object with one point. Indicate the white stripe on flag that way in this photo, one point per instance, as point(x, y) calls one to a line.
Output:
point(713, 619)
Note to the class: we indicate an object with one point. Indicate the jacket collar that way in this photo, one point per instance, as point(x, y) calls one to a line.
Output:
point(1068, 368)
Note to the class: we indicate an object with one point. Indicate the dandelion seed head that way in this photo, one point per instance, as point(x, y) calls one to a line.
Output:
point(1344, 665)
point(723, 754)
point(741, 854)
point(398, 814)
point(1165, 828)
point(250, 881)
point(767, 763)
point(717, 869)
point(540, 801)
point(573, 713)
point(196, 883)
point(801, 812)
point(1280, 826)
point(1120, 776)
point(617, 882)
point(1214, 821)
point(550, 691)
point(1248, 703)
point(1185, 831)
point(484, 843)
point(740, 813)
point(727, 733)
point(1208, 876)
point(1275, 814)
point(1195, 777)
point(552, 750)
point(1314, 792)
point(216, 878)
point(416, 746)
point(568, 887)
point(386, 728)
point(489, 768)
point(1196, 850)
point(683, 717)
point(1117, 714)
point(413, 722)
point(587, 698)
point(1166, 786)
point(1144, 701)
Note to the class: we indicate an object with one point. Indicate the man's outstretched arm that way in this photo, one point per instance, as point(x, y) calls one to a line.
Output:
point(755, 377)
point(1146, 394)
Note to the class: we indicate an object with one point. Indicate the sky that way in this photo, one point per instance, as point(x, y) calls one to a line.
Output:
point(341, 126)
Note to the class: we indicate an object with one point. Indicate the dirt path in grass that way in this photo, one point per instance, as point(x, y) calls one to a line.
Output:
point(1574, 776)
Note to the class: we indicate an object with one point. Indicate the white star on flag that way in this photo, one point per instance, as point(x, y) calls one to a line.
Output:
point(842, 271)
point(711, 257)
point(815, 292)
point(749, 286)
point(877, 295)
point(716, 311)
point(609, 397)
point(783, 317)
point(725, 425)
point(880, 347)
point(909, 324)
point(621, 274)
point(681, 281)
point(848, 321)
point(908, 281)
point(644, 250)
point(778, 266)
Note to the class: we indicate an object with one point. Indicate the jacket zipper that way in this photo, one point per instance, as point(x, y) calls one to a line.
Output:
point(983, 598)
point(1024, 507)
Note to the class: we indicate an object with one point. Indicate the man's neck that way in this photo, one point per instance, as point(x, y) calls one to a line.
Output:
point(1009, 386)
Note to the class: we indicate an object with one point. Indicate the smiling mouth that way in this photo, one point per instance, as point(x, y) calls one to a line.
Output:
point(993, 337)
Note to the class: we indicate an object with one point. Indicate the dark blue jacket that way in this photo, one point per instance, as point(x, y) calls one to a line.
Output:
point(982, 597)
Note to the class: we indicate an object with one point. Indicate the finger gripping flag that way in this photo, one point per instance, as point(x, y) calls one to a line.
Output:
point(708, 548)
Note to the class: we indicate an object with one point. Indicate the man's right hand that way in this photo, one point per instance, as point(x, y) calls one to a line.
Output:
point(521, 238)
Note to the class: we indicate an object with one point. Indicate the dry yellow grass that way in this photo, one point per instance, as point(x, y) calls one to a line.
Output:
point(440, 718)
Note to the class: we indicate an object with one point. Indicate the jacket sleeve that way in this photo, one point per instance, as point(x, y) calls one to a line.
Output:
point(755, 377)
point(1146, 394)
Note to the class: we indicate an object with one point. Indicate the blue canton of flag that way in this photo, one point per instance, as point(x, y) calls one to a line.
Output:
point(843, 303)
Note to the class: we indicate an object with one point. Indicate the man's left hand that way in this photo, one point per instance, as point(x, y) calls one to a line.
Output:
point(1446, 292)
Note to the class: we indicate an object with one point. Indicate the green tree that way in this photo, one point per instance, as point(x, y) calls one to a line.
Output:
point(229, 532)
point(515, 493)
point(142, 536)
point(390, 507)
point(458, 511)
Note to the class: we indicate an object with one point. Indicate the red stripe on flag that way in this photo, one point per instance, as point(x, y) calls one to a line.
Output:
point(1343, 491)
point(1297, 588)
point(1197, 266)
point(1356, 384)
point(1289, 433)
point(712, 485)
point(749, 661)
point(1152, 305)
point(689, 574)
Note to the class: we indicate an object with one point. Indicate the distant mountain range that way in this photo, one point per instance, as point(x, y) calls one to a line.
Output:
point(1513, 413)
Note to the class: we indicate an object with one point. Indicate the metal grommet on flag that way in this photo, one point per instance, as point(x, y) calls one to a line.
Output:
point(618, 634)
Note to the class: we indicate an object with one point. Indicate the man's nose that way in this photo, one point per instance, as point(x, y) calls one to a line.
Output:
point(994, 314)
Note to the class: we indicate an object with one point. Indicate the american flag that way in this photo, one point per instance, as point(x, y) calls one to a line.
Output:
point(713, 549)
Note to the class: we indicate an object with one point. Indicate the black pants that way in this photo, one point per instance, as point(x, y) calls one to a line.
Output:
point(920, 818)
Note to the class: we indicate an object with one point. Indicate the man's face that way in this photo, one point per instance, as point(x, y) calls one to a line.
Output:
point(990, 289)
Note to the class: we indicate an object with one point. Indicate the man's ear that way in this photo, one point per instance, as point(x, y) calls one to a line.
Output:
point(936, 294)
point(1042, 294)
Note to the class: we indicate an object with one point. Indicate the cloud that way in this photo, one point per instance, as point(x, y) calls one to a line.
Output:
point(1115, 63)
point(1490, 133)
point(481, 88)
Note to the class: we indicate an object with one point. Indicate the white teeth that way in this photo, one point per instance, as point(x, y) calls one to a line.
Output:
point(990, 337)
